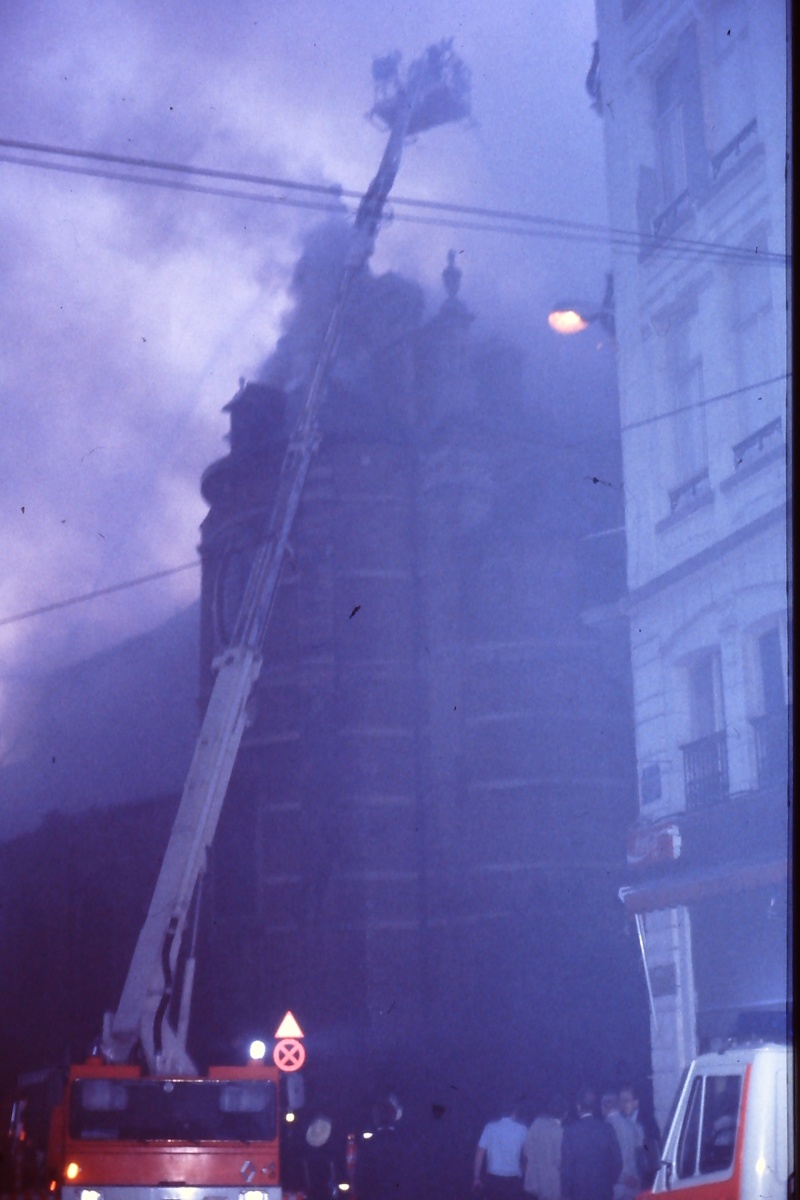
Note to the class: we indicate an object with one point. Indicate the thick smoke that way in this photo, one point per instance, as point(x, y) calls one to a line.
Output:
point(129, 313)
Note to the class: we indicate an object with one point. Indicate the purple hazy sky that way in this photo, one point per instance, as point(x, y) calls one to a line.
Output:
point(129, 312)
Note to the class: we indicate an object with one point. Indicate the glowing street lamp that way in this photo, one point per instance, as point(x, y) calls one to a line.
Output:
point(258, 1049)
point(573, 316)
point(566, 318)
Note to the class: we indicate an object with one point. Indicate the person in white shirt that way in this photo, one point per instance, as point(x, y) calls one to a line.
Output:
point(629, 1136)
point(498, 1158)
point(648, 1155)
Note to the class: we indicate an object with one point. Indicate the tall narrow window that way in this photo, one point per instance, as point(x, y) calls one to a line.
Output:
point(772, 670)
point(685, 374)
point(705, 756)
point(732, 128)
point(771, 726)
point(670, 131)
point(705, 696)
point(751, 303)
point(680, 132)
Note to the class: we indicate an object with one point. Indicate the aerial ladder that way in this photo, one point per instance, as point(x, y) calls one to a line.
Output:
point(137, 1117)
point(435, 91)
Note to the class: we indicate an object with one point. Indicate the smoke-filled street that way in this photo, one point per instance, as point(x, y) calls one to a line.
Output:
point(394, 644)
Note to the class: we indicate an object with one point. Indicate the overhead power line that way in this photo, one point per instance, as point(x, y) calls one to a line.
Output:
point(569, 231)
point(142, 579)
point(451, 215)
point(177, 185)
point(178, 168)
point(106, 591)
point(674, 412)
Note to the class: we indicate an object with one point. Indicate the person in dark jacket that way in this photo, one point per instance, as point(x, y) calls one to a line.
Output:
point(591, 1161)
point(382, 1168)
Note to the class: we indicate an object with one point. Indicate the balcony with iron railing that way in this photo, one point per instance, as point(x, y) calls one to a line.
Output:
point(771, 732)
point(705, 770)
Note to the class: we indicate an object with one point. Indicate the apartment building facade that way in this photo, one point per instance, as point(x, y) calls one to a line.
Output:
point(694, 104)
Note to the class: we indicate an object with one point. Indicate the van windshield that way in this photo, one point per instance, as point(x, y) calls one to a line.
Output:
point(197, 1110)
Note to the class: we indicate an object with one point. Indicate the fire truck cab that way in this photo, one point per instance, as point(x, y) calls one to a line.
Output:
point(731, 1134)
point(121, 1135)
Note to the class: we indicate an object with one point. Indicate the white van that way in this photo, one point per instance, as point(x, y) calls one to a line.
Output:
point(732, 1132)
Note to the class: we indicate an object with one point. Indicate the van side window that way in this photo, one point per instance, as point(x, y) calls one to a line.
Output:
point(708, 1136)
point(720, 1118)
point(687, 1146)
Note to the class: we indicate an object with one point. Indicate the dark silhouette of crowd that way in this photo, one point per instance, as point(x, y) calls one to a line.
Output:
point(318, 1163)
point(600, 1148)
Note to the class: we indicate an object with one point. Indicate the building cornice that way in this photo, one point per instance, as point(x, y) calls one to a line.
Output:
point(696, 562)
point(603, 615)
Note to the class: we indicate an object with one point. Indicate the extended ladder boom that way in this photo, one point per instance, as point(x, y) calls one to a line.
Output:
point(435, 91)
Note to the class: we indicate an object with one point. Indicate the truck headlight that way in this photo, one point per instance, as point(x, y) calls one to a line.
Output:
point(90, 1194)
point(249, 1195)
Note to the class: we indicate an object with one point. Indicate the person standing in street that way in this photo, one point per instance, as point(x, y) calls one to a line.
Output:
point(319, 1174)
point(541, 1152)
point(591, 1161)
point(648, 1154)
point(499, 1153)
point(629, 1138)
point(382, 1167)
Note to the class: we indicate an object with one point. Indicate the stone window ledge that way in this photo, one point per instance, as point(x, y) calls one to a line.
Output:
point(778, 453)
point(686, 510)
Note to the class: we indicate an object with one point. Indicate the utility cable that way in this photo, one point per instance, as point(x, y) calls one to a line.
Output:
point(153, 181)
point(336, 190)
point(618, 236)
point(180, 168)
point(106, 591)
point(627, 242)
point(131, 583)
point(674, 412)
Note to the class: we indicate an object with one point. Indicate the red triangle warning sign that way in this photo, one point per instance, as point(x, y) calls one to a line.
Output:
point(288, 1028)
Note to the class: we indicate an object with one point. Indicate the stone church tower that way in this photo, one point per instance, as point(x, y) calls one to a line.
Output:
point(437, 746)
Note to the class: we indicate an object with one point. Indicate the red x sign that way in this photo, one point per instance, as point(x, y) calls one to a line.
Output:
point(289, 1054)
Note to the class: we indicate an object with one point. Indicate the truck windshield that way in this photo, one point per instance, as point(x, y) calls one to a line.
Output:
point(198, 1110)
